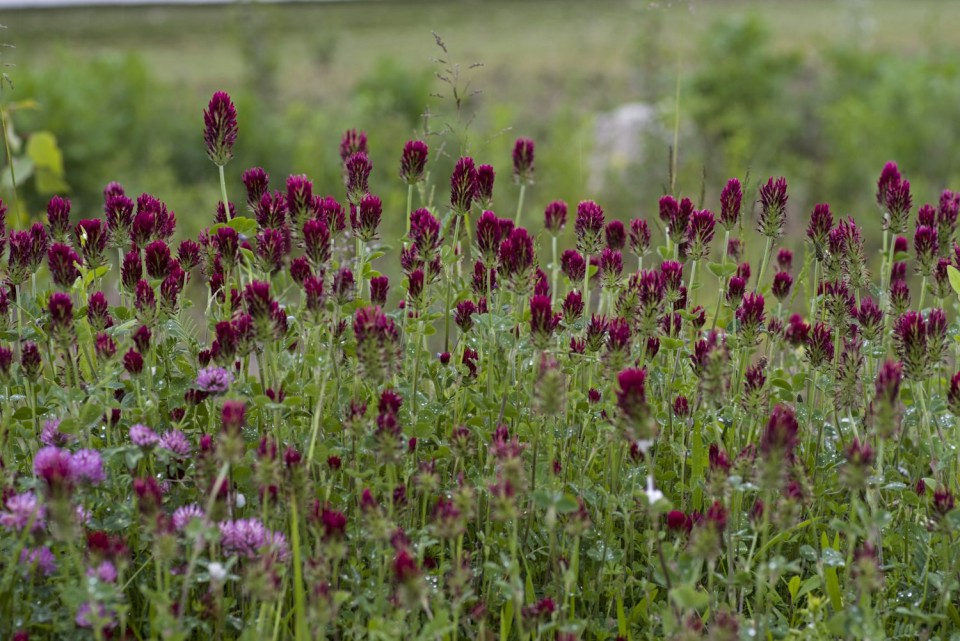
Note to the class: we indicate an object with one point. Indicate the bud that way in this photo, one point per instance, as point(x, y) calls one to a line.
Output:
point(62, 262)
point(257, 182)
point(58, 218)
point(352, 142)
point(700, 232)
point(750, 316)
point(358, 169)
point(639, 237)
point(589, 227)
point(484, 188)
point(555, 217)
point(893, 196)
point(91, 238)
point(463, 186)
point(366, 221)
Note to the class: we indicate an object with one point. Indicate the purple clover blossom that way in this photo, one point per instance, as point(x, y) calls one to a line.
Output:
point(176, 441)
point(52, 436)
point(248, 537)
point(22, 509)
point(53, 466)
point(183, 515)
point(106, 572)
point(41, 559)
point(87, 466)
point(143, 436)
point(214, 380)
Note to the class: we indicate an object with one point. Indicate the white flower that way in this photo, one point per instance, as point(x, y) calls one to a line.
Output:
point(241, 501)
point(653, 494)
point(217, 572)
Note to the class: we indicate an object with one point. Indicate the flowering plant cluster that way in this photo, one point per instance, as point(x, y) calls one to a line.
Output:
point(620, 440)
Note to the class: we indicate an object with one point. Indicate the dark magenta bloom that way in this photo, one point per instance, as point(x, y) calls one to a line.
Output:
point(58, 218)
point(272, 210)
point(413, 162)
point(358, 169)
point(365, 219)
point(523, 157)
point(227, 243)
point(516, 259)
point(484, 192)
point(819, 347)
point(62, 262)
point(782, 282)
point(133, 362)
point(798, 331)
point(425, 233)
point(542, 321)
point(735, 288)
point(352, 142)
point(379, 286)
point(220, 128)
point(773, 207)
point(555, 216)
point(611, 267)
point(675, 215)
point(631, 395)
point(639, 236)
point(464, 315)
point(60, 309)
point(818, 229)
point(30, 360)
point(780, 437)
point(118, 212)
point(926, 245)
point(489, 235)
point(299, 197)
point(131, 271)
point(98, 312)
point(589, 227)
point(700, 231)
point(271, 249)
point(672, 277)
point(573, 265)
point(157, 257)
point(316, 242)
point(784, 259)
point(257, 182)
point(731, 199)
point(910, 339)
point(572, 307)
point(870, 318)
point(893, 195)
point(616, 235)
point(91, 238)
point(750, 317)
point(463, 186)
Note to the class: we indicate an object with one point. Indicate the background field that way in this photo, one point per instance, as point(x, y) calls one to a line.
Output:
point(823, 92)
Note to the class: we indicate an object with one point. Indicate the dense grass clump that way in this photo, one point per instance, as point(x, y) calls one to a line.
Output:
point(256, 434)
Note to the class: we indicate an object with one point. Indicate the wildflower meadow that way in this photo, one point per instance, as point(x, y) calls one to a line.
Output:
point(505, 424)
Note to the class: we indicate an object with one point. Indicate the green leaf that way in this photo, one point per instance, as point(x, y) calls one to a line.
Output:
point(47, 158)
point(506, 620)
point(794, 587)
point(954, 275)
point(722, 271)
point(689, 598)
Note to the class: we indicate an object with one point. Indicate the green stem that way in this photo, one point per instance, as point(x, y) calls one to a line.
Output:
point(223, 193)
point(523, 190)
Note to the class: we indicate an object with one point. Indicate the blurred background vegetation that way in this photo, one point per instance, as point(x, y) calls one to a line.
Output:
point(821, 91)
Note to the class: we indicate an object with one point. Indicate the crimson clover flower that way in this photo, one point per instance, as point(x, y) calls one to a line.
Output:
point(220, 128)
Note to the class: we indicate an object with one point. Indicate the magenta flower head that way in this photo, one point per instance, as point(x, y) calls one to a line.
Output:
point(58, 218)
point(773, 207)
point(639, 237)
point(731, 200)
point(936, 336)
point(672, 278)
point(365, 219)
point(899, 296)
point(572, 307)
point(910, 339)
point(343, 286)
point(425, 233)
point(463, 186)
point(157, 257)
point(870, 319)
point(517, 260)
point(589, 227)
point(947, 214)
point(214, 380)
point(555, 217)
point(750, 316)
point(780, 437)
point(257, 182)
point(379, 286)
point(30, 361)
point(60, 308)
point(53, 466)
point(632, 396)
point(675, 215)
point(227, 243)
point(542, 321)
point(133, 362)
point(700, 230)
point(927, 215)
point(819, 346)
point(489, 235)
point(352, 142)
point(523, 161)
point(464, 315)
point(118, 212)
point(316, 242)
point(611, 267)
point(893, 196)
point(220, 128)
point(63, 261)
point(378, 343)
point(91, 237)
point(926, 246)
point(18, 263)
point(616, 235)
point(358, 169)
point(299, 197)
point(573, 265)
point(272, 211)
point(735, 289)
point(784, 259)
point(413, 162)
point(39, 243)
point(484, 193)
point(782, 282)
